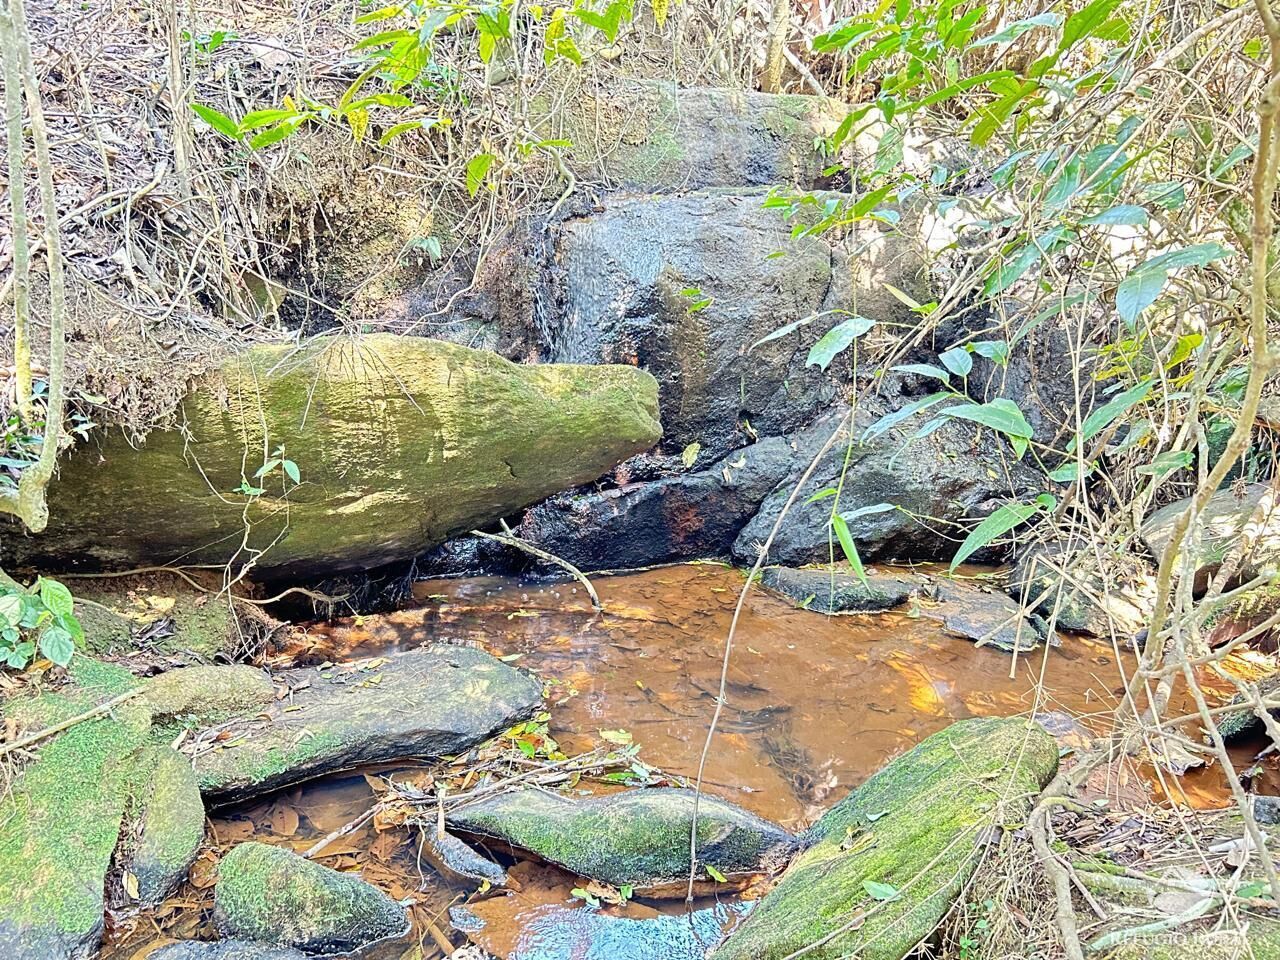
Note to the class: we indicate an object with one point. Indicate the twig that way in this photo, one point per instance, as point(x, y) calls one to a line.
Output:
point(342, 831)
point(99, 710)
point(511, 540)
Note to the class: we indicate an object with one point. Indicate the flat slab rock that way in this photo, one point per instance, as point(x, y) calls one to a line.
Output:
point(826, 592)
point(987, 618)
point(430, 702)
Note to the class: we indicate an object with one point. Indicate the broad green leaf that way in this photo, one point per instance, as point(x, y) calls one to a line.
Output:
point(291, 470)
point(1166, 463)
point(880, 891)
point(1243, 152)
point(1166, 193)
point(1001, 414)
point(264, 118)
point(841, 527)
point(477, 168)
point(277, 133)
point(925, 370)
point(996, 525)
point(822, 494)
point(398, 129)
point(891, 420)
point(1143, 285)
point(56, 644)
point(836, 339)
point(996, 350)
point(689, 455)
point(218, 120)
point(56, 597)
point(1011, 268)
point(715, 874)
point(783, 330)
point(11, 609)
point(1100, 418)
point(957, 360)
point(1126, 214)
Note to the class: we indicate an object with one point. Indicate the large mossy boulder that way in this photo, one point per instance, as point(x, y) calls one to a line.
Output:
point(885, 863)
point(399, 443)
point(638, 838)
point(274, 896)
point(168, 818)
point(429, 702)
point(60, 823)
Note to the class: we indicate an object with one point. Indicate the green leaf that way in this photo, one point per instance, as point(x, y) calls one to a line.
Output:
point(1165, 193)
point(1166, 463)
point(1126, 214)
point(891, 420)
point(264, 118)
point(849, 547)
point(822, 494)
point(56, 645)
point(277, 133)
point(56, 597)
point(477, 168)
point(266, 468)
point(715, 874)
point(1100, 418)
point(398, 129)
point(689, 455)
point(957, 360)
point(1018, 28)
point(783, 330)
point(836, 339)
point(996, 350)
point(11, 609)
point(1001, 414)
point(1009, 271)
point(868, 511)
point(383, 13)
point(998, 524)
point(1145, 282)
point(926, 370)
point(880, 891)
point(291, 470)
point(218, 120)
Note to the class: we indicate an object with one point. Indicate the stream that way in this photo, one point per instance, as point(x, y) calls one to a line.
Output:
point(815, 704)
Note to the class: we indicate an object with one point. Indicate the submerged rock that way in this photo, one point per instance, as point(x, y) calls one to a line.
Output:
point(399, 443)
point(1241, 723)
point(274, 896)
point(827, 591)
point(986, 618)
point(1231, 521)
point(224, 950)
point(429, 702)
point(60, 823)
point(170, 824)
point(884, 865)
point(638, 838)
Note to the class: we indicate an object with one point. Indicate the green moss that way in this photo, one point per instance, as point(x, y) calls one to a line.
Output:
point(171, 815)
point(914, 826)
point(111, 609)
point(59, 826)
point(640, 837)
point(254, 765)
point(1261, 943)
point(272, 895)
point(209, 694)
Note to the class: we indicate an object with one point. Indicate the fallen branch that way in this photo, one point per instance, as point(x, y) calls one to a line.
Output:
point(511, 540)
point(99, 710)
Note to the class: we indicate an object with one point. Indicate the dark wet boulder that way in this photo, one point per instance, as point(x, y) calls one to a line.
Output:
point(272, 895)
point(987, 617)
point(60, 822)
point(168, 825)
point(393, 444)
point(224, 950)
point(944, 476)
point(1246, 521)
point(638, 838)
point(884, 865)
point(833, 591)
point(428, 702)
point(686, 286)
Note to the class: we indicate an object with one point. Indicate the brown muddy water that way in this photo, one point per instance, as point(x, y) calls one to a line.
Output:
point(815, 704)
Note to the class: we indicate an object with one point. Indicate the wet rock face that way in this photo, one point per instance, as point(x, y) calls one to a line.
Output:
point(910, 828)
point(170, 824)
point(427, 702)
point(638, 837)
point(987, 618)
point(272, 895)
point(1247, 522)
point(399, 443)
point(1098, 609)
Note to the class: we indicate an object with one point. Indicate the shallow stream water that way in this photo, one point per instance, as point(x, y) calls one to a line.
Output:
point(815, 704)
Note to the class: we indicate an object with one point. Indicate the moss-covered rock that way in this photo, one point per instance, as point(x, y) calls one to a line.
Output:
point(916, 827)
point(60, 823)
point(639, 837)
point(161, 612)
point(209, 694)
point(169, 823)
point(1260, 942)
point(399, 443)
point(428, 702)
point(274, 896)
